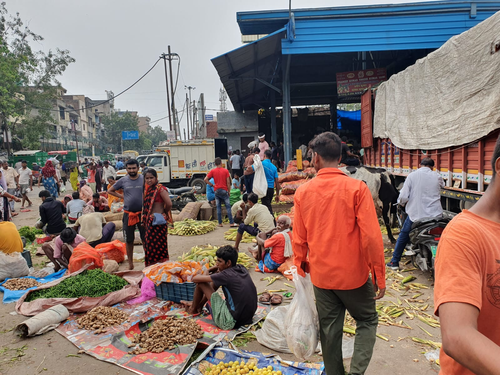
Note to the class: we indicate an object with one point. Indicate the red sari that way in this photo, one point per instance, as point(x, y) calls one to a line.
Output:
point(156, 236)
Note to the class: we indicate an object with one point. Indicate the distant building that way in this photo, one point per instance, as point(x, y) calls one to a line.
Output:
point(212, 129)
point(144, 124)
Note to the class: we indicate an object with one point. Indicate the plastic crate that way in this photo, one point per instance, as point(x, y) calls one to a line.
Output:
point(175, 292)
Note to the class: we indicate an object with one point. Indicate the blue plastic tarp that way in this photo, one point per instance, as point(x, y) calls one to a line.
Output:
point(345, 117)
point(13, 295)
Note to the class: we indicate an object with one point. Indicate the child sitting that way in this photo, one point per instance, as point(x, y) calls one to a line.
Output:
point(239, 290)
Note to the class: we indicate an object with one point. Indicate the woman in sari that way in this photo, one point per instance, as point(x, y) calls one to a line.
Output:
point(98, 177)
point(5, 213)
point(73, 178)
point(48, 176)
point(111, 198)
point(155, 214)
point(85, 192)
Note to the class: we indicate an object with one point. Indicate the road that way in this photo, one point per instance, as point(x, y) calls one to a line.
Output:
point(48, 353)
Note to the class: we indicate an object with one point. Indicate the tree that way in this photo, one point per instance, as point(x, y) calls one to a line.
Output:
point(157, 135)
point(28, 84)
point(117, 122)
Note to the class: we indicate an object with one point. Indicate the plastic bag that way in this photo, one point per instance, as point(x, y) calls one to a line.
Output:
point(115, 250)
point(259, 181)
point(84, 254)
point(301, 321)
point(12, 266)
point(116, 207)
point(433, 355)
point(272, 334)
point(147, 292)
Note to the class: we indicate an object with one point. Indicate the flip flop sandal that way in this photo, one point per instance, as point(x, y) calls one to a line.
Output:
point(276, 299)
point(265, 298)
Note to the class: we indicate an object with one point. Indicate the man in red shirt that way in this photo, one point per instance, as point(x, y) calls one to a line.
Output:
point(221, 185)
point(336, 237)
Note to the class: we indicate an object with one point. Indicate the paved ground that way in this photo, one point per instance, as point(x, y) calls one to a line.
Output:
point(49, 353)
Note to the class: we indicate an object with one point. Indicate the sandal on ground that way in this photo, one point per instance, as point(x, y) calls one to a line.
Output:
point(265, 298)
point(276, 299)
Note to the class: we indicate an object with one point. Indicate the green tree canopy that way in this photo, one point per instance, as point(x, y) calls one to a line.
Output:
point(28, 84)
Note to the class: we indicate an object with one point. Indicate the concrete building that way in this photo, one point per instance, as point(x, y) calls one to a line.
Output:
point(144, 124)
point(239, 128)
point(212, 129)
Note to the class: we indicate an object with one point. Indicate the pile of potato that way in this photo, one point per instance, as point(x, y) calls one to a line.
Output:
point(20, 284)
point(165, 334)
point(101, 317)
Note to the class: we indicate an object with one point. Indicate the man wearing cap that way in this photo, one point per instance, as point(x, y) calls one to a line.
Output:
point(60, 250)
point(107, 171)
point(263, 145)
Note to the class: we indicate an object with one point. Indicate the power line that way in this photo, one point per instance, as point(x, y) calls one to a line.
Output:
point(100, 102)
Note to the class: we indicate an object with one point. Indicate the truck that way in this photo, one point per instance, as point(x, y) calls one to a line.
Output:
point(184, 163)
point(445, 106)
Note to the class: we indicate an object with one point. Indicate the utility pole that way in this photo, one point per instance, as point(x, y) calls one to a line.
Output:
point(172, 89)
point(164, 57)
point(195, 127)
point(187, 116)
point(189, 108)
point(73, 126)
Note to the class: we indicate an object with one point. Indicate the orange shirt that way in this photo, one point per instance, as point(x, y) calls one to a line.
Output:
point(277, 243)
point(468, 271)
point(336, 226)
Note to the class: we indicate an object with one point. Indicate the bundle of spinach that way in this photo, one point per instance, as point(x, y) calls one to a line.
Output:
point(90, 283)
point(29, 233)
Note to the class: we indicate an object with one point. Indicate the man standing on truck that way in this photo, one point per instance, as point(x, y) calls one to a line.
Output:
point(133, 188)
point(421, 194)
point(466, 297)
point(221, 186)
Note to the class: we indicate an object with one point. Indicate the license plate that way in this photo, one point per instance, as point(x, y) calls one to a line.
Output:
point(434, 250)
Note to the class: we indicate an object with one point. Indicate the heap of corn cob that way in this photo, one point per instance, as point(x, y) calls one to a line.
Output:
point(207, 254)
point(191, 227)
point(231, 234)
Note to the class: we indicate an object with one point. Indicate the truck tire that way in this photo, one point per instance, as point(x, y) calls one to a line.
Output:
point(200, 185)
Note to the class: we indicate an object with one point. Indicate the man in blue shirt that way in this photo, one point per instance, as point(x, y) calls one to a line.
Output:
point(272, 181)
point(119, 164)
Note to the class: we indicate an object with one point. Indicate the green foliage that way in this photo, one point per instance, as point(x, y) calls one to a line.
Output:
point(29, 233)
point(117, 122)
point(157, 135)
point(27, 76)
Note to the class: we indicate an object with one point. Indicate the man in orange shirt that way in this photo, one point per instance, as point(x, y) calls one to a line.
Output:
point(467, 288)
point(336, 237)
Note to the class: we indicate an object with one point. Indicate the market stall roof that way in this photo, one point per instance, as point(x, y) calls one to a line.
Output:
point(249, 71)
point(325, 41)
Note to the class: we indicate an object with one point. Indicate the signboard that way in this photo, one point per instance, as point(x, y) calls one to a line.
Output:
point(170, 135)
point(354, 83)
point(130, 135)
point(209, 117)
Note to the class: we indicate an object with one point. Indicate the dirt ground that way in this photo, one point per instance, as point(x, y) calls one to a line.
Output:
point(51, 353)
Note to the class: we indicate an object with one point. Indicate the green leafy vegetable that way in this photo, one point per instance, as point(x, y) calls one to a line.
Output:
point(29, 233)
point(90, 283)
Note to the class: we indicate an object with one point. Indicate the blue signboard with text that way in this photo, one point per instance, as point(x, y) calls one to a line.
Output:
point(129, 135)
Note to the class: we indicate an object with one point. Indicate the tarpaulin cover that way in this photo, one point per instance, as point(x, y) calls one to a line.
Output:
point(13, 295)
point(259, 359)
point(449, 98)
point(82, 304)
point(113, 346)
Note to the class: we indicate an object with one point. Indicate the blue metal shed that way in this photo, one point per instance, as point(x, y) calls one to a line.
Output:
point(297, 63)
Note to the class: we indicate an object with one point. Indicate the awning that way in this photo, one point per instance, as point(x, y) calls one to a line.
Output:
point(250, 72)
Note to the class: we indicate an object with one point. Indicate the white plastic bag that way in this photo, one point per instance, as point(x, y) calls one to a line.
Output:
point(272, 334)
point(259, 180)
point(301, 321)
point(12, 266)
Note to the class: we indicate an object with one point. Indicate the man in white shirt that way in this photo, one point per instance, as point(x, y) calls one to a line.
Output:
point(12, 180)
point(235, 164)
point(26, 182)
point(107, 171)
point(422, 197)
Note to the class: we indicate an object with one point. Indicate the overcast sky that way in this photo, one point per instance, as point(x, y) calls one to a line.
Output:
point(114, 42)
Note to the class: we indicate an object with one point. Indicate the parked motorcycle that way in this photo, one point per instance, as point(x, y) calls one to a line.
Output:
point(424, 238)
point(181, 196)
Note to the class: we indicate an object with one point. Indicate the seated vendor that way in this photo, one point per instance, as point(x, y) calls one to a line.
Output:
point(74, 208)
point(51, 215)
point(240, 293)
point(60, 250)
point(275, 246)
point(93, 226)
point(257, 219)
point(99, 203)
point(237, 210)
point(10, 239)
point(85, 192)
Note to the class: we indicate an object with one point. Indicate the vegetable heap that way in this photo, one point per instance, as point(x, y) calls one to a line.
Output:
point(191, 227)
point(90, 283)
point(207, 254)
point(165, 334)
point(231, 234)
point(20, 284)
point(29, 233)
point(237, 368)
point(101, 317)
